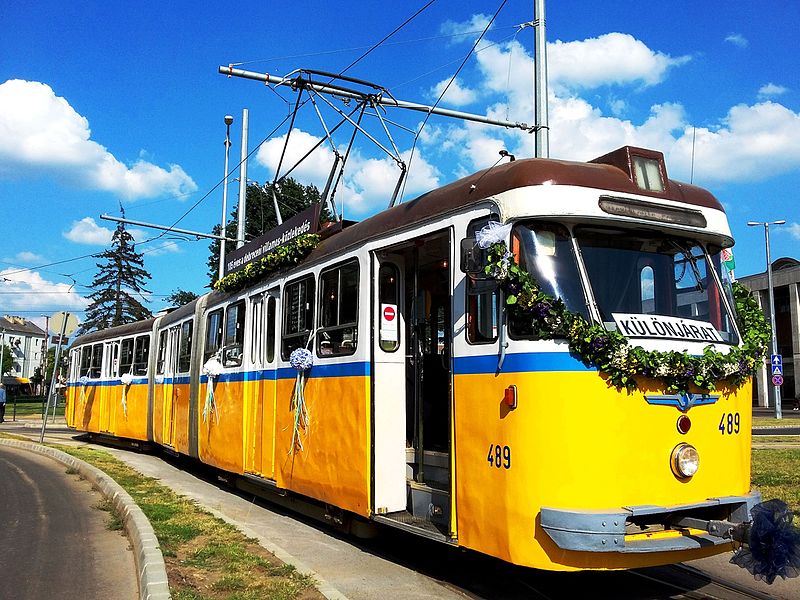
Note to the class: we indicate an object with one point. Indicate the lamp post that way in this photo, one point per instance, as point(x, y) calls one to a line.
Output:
point(771, 305)
point(224, 221)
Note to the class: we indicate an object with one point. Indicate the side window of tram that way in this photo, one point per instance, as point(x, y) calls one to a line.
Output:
point(96, 361)
point(162, 351)
point(388, 295)
point(234, 335)
point(482, 304)
point(213, 334)
point(140, 355)
point(272, 308)
point(185, 347)
point(338, 298)
point(257, 329)
point(298, 300)
point(126, 356)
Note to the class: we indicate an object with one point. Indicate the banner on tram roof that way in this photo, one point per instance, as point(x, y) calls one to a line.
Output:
point(301, 223)
point(664, 327)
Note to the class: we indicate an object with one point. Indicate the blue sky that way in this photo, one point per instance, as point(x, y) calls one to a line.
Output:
point(103, 104)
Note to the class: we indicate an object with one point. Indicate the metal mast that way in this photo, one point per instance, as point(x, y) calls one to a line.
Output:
point(541, 125)
point(242, 183)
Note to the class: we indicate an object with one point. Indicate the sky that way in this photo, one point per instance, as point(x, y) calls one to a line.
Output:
point(106, 106)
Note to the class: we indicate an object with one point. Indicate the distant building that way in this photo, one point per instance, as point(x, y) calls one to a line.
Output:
point(28, 344)
point(785, 284)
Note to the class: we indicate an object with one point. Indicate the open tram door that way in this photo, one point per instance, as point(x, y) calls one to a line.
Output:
point(169, 370)
point(412, 401)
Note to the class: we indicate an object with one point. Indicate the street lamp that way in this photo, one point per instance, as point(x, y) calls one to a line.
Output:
point(771, 306)
point(224, 222)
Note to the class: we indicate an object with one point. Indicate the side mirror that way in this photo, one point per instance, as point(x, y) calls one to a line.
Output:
point(473, 257)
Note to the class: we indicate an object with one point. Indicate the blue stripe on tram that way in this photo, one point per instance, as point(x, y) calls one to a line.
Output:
point(524, 362)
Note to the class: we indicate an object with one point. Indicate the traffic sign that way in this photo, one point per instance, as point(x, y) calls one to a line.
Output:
point(776, 360)
point(777, 370)
point(60, 319)
point(777, 380)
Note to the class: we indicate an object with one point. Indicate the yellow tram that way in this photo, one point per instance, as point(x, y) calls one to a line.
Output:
point(432, 406)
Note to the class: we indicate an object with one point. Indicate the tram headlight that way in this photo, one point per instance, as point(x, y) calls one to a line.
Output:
point(685, 461)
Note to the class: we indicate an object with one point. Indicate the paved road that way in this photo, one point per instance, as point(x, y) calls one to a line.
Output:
point(54, 543)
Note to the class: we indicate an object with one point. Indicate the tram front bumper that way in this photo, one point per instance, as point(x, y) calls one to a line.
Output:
point(639, 529)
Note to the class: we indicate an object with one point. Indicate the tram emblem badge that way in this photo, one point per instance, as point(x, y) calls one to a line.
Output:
point(682, 402)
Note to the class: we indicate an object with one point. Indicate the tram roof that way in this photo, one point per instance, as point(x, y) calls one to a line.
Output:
point(605, 173)
point(113, 332)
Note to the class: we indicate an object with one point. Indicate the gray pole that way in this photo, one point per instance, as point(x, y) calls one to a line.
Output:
point(2, 352)
point(224, 221)
point(242, 183)
point(52, 391)
point(540, 83)
point(772, 320)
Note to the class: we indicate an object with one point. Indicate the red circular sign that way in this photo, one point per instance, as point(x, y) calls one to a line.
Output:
point(777, 380)
point(388, 313)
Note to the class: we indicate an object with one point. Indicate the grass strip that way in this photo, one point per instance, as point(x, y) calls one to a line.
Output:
point(206, 558)
point(773, 422)
point(776, 474)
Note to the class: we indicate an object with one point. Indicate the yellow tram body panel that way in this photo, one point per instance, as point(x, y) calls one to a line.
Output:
point(97, 407)
point(574, 443)
point(171, 414)
point(220, 425)
point(334, 463)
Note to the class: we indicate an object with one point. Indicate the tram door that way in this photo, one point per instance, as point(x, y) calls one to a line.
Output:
point(259, 391)
point(168, 388)
point(107, 406)
point(425, 333)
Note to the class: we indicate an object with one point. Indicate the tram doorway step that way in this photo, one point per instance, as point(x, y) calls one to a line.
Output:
point(420, 526)
point(436, 467)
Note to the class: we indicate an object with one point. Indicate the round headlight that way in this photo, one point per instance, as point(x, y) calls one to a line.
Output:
point(685, 461)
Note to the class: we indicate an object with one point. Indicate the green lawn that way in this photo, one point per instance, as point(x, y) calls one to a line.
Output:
point(776, 474)
point(773, 422)
point(30, 406)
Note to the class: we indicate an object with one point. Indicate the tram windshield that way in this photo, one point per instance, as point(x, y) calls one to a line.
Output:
point(652, 286)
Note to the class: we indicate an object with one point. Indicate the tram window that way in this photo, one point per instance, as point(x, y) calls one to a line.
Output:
point(126, 357)
point(338, 298)
point(234, 335)
point(388, 295)
point(257, 329)
point(97, 361)
point(162, 351)
point(213, 334)
point(86, 361)
point(140, 355)
point(298, 301)
point(545, 251)
point(185, 348)
point(272, 304)
point(483, 307)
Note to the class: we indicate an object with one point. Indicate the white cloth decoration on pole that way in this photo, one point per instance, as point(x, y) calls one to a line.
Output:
point(492, 233)
point(212, 369)
point(126, 379)
point(84, 381)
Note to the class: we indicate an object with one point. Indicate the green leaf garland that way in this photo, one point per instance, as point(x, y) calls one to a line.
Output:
point(281, 257)
point(626, 366)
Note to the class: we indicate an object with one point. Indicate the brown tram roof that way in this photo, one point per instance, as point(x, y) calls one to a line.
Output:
point(512, 175)
point(118, 331)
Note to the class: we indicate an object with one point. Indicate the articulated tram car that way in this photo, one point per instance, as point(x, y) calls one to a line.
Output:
point(428, 408)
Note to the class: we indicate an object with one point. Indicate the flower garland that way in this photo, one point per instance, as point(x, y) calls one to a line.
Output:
point(612, 354)
point(302, 360)
point(283, 256)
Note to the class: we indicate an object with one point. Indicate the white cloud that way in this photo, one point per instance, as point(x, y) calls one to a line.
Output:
point(737, 39)
point(610, 59)
point(456, 94)
point(30, 291)
point(794, 230)
point(314, 169)
point(474, 26)
point(87, 231)
point(771, 89)
point(25, 258)
point(40, 131)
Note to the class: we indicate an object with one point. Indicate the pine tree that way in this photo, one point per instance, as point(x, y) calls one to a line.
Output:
point(120, 275)
point(293, 197)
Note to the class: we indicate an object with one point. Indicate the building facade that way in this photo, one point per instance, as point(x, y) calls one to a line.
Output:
point(786, 289)
point(28, 346)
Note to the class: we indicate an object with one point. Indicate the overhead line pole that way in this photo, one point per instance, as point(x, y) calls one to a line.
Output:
point(330, 88)
point(542, 126)
point(196, 234)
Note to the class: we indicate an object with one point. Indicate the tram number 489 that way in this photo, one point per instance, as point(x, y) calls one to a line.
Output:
point(499, 456)
point(729, 423)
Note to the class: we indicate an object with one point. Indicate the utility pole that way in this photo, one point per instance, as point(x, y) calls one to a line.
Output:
point(224, 221)
point(541, 122)
point(242, 183)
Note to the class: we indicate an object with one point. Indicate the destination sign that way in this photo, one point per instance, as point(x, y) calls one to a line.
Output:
point(663, 327)
point(304, 222)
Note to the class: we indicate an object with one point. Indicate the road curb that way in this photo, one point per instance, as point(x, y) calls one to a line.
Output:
point(150, 565)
